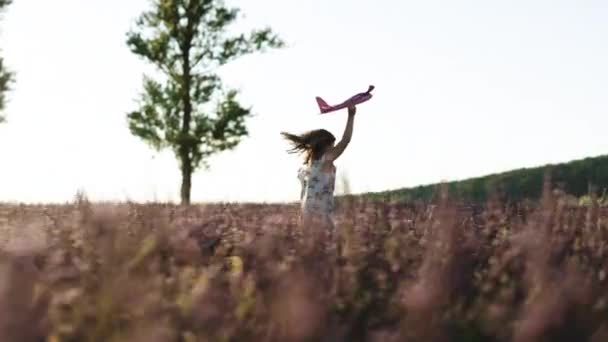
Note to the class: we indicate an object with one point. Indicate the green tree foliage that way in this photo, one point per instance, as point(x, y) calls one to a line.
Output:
point(6, 77)
point(186, 108)
point(574, 178)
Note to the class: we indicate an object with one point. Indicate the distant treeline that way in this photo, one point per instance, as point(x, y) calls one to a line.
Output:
point(576, 178)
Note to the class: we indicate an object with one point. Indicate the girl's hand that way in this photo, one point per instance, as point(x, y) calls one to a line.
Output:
point(352, 110)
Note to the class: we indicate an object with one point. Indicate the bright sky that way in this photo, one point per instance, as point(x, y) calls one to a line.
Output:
point(463, 88)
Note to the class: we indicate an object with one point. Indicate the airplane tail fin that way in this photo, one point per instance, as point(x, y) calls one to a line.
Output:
point(323, 106)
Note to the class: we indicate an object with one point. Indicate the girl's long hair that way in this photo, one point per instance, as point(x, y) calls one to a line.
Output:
point(312, 144)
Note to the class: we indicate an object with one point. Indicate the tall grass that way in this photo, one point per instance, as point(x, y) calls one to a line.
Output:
point(426, 272)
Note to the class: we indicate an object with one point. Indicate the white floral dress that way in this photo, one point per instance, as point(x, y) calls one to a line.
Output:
point(317, 194)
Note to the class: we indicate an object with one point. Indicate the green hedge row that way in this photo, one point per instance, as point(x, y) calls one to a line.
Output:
point(573, 177)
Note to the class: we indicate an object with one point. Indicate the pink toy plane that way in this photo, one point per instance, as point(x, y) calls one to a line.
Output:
point(354, 100)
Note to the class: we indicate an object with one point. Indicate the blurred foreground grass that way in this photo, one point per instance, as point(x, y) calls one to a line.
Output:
point(159, 272)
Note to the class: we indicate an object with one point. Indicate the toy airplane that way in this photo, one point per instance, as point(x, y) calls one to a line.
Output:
point(354, 100)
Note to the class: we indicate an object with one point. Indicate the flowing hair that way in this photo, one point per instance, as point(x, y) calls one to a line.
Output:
point(312, 144)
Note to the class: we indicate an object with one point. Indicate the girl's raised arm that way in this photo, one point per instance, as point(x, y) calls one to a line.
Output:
point(337, 150)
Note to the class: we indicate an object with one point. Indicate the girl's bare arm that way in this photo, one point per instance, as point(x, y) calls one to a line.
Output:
point(337, 150)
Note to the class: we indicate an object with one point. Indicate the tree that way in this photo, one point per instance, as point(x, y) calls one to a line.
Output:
point(189, 110)
point(6, 77)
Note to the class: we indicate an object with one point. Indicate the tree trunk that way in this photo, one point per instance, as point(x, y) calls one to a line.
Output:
point(186, 180)
point(186, 146)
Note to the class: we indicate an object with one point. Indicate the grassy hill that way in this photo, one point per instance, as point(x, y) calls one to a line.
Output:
point(573, 177)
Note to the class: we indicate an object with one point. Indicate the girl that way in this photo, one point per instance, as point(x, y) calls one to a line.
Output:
point(318, 174)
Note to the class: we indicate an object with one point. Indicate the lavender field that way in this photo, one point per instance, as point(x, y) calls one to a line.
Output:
point(246, 272)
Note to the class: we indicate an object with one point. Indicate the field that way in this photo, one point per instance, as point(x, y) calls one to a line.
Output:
point(246, 272)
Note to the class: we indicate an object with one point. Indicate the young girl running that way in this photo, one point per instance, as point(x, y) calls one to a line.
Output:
point(318, 174)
